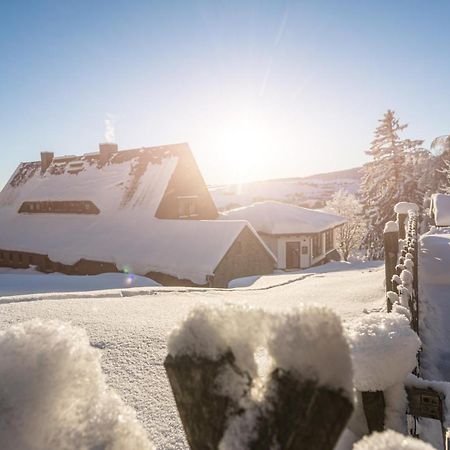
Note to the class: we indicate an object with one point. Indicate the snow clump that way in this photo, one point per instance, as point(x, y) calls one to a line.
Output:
point(391, 227)
point(391, 440)
point(405, 207)
point(384, 349)
point(310, 343)
point(53, 394)
point(210, 332)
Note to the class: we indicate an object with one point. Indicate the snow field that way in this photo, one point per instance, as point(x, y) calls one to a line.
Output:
point(131, 331)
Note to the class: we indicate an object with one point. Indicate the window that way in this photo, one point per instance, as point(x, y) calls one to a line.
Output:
point(60, 207)
point(187, 207)
point(328, 240)
point(304, 249)
point(316, 245)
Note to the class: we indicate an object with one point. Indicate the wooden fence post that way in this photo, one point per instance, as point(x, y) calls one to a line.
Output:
point(373, 405)
point(390, 238)
point(301, 415)
point(203, 410)
point(401, 220)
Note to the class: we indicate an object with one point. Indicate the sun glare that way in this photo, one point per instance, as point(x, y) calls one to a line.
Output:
point(244, 143)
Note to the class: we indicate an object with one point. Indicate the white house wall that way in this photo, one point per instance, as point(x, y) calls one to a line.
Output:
point(277, 244)
point(281, 250)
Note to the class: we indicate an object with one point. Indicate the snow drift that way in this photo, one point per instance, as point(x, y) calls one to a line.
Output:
point(53, 394)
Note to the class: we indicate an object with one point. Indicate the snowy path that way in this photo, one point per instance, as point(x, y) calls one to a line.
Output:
point(132, 330)
point(434, 298)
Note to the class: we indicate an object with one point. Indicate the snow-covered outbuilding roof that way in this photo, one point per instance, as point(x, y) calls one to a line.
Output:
point(273, 217)
point(127, 189)
point(440, 208)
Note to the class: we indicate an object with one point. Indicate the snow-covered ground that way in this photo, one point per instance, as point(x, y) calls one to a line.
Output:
point(29, 281)
point(130, 326)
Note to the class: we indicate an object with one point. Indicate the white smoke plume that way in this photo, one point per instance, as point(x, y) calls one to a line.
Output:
point(110, 135)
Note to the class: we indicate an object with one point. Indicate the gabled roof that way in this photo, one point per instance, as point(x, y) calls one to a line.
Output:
point(273, 217)
point(127, 189)
point(128, 179)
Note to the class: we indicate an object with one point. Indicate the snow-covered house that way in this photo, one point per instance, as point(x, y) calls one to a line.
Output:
point(298, 237)
point(143, 210)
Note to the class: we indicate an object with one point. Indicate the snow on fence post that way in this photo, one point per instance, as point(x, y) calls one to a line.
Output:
point(200, 354)
point(211, 367)
point(384, 349)
point(390, 252)
point(309, 395)
point(402, 209)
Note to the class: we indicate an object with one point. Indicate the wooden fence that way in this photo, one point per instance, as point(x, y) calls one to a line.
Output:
point(401, 253)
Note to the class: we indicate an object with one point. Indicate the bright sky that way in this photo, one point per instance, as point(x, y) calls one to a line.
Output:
point(260, 89)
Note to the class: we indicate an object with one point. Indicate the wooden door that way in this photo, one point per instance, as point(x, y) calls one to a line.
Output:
point(292, 255)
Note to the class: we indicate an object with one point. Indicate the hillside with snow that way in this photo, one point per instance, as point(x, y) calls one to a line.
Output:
point(311, 192)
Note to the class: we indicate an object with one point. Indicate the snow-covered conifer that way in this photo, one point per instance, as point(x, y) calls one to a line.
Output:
point(390, 177)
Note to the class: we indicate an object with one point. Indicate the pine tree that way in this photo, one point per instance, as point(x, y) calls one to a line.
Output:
point(390, 177)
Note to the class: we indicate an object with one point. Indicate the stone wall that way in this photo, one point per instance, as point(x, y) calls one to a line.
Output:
point(247, 256)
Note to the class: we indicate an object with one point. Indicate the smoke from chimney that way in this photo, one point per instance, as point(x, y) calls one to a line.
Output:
point(109, 130)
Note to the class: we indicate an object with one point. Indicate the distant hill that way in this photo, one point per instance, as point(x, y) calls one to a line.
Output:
point(312, 191)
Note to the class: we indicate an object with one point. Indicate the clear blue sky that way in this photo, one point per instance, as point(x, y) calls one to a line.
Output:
point(296, 87)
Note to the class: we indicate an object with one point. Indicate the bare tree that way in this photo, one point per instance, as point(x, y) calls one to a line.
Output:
point(349, 235)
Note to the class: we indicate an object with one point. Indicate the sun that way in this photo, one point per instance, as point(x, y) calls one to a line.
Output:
point(245, 141)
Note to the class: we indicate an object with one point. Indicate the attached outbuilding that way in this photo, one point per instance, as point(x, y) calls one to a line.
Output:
point(298, 237)
point(146, 211)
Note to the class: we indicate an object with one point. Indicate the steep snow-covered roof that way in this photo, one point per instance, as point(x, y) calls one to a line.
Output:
point(128, 179)
point(273, 217)
point(441, 209)
point(127, 189)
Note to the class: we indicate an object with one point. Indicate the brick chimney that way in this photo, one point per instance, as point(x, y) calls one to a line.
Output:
point(106, 150)
point(46, 160)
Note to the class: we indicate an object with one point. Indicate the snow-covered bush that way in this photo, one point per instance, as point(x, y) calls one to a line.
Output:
point(390, 440)
point(53, 394)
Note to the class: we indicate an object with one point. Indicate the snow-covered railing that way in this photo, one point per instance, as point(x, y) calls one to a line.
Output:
point(425, 399)
point(401, 263)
